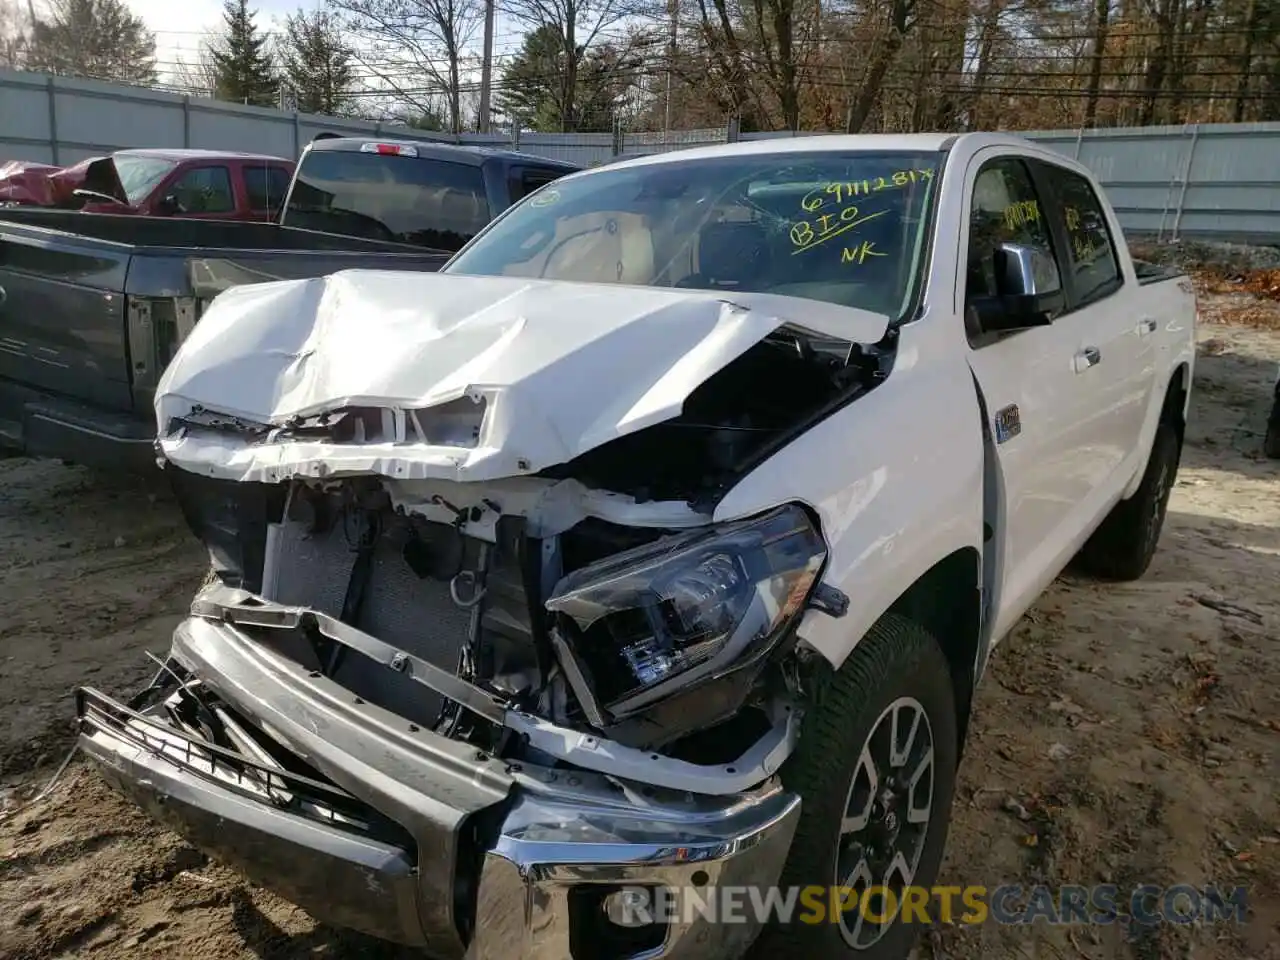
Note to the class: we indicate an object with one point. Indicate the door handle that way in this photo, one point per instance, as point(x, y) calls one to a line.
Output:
point(1145, 326)
point(1088, 357)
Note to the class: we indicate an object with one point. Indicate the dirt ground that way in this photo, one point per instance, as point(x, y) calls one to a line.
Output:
point(1123, 734)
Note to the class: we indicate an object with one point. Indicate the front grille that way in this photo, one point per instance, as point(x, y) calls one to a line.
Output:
point(416, 614)
point(300, 794)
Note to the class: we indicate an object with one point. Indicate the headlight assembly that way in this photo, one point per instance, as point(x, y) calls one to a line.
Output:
point(685, 609)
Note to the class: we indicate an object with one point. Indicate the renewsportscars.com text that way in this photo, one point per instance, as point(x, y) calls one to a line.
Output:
point(1006, 904)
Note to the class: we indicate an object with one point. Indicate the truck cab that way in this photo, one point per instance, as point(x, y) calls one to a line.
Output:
point(196, 184)
point(413, 192)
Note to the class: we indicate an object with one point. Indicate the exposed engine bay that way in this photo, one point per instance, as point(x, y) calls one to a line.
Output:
point(739, 415)
point(596, 598)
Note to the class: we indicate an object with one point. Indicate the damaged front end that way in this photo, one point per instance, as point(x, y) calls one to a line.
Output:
point(467, 714)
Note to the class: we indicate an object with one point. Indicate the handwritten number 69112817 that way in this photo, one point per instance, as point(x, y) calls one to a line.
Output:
point(842, 192)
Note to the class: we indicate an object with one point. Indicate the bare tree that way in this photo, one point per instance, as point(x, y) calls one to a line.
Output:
point(890, 23)
point(14, 25)
point(195, 73)
point(408, 41)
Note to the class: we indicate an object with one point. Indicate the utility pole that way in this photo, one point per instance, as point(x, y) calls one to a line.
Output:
point(486, 68)
point(672, 12)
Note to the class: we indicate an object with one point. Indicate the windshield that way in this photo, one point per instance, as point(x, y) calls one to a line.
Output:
point(844, 228)
point(140, 175)
point(428, 203)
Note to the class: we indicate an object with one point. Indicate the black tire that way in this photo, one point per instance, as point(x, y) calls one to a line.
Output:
point(896, 660)
point(1122, 547)
point(1271, 442)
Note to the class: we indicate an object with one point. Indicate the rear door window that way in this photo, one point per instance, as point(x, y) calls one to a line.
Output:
point(382, 196)
point(524, 181)
point(1091, 255)
point(266, 187)
point(204, 190)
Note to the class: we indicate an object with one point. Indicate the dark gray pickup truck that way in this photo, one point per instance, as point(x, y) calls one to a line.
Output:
point(93, 306)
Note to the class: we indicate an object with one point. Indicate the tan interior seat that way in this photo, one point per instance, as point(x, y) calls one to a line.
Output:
point(609, 248)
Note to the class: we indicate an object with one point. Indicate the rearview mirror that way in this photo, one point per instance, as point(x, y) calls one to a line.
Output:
point(1030, 290)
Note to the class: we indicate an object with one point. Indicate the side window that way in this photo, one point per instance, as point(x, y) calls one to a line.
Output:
point(524, 182)
point(266, 187)
point(1091, 255)
point(1006, 209)
point(204, 190)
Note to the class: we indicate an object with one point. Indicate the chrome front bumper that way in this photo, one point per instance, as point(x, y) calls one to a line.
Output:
point(480, 859)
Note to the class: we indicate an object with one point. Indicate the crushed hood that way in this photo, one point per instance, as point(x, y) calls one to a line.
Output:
point(558, 368)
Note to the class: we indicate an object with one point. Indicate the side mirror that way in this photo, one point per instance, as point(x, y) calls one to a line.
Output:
point(1026, 272)
point(1030, 291)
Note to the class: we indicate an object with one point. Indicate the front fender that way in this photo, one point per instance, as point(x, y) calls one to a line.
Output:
point(895, 478)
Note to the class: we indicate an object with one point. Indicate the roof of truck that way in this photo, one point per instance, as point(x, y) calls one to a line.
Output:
point(434, 150)
point(177, 154)
point(815, 143)
point(834, 143)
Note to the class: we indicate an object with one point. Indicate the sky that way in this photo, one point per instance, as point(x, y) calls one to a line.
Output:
point(181, 25)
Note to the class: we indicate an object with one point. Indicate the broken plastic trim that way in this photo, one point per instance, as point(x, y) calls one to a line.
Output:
point(235, 607)
point(239, 607)
point(235, 771)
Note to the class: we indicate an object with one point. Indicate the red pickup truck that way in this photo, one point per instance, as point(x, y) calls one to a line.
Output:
point(207, 184)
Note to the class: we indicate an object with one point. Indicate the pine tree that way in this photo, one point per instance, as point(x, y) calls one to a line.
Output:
point(243, 66)
point(317, 63)
point(97, 39)
point(533, 86)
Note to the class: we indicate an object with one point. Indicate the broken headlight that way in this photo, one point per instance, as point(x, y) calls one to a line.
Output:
point(687, 608)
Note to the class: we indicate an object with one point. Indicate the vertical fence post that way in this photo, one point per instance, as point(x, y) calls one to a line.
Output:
point(297, 135)
point(732, 130)
point(1186, 180)
point(1079, 141)
point(515, 133)
point(53, 121)
point(186, 121)
point(617, 136)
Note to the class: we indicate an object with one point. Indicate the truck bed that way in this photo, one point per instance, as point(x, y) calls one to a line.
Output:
point(1148, 273)
point(178, 233)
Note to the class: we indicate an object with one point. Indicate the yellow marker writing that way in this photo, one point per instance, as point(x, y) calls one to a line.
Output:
point(843, 192)
point(860, 253)
point(1021, 213)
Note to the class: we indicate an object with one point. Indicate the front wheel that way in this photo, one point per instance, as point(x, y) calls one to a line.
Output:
point(875, 769)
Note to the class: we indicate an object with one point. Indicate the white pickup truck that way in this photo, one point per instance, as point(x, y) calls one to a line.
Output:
point(656, 544)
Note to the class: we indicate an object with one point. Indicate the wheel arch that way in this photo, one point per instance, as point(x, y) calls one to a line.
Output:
point(1177, 399)
point(946, 600)
point(1174, 408)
